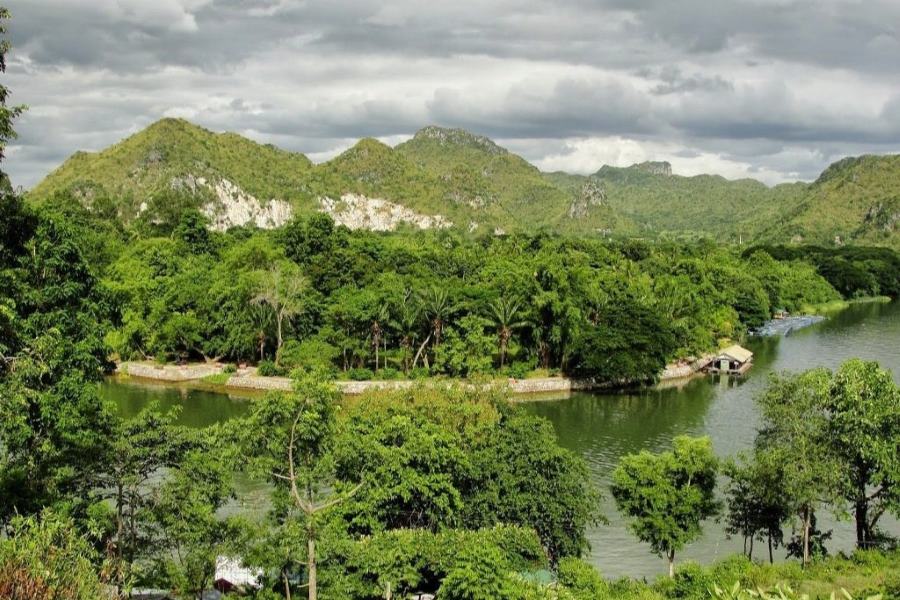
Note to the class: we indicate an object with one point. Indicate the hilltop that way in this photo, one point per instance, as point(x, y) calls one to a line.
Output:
point(445, 177)
point(855, 200)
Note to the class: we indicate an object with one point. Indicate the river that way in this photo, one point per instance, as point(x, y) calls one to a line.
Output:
point(604, 427)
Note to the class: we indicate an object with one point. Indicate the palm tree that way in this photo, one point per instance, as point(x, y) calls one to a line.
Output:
point(407, 323)
point(382, 313)
point(437, 308)
point(505, 313)
point(283, 289)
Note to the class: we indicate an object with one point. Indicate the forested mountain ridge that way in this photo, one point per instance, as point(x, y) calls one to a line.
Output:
point(855, 200)
point(453, 178)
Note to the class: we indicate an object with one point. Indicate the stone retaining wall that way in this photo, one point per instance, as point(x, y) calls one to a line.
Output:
point(173, 373)
point(248, 380)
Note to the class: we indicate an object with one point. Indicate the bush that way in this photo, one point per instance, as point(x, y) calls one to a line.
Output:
point(360, 374)
point(230, 368)
point(267, 368)
point(581, 579)
point(388, 373)
point(310, 354)
point(47, 559)
point(732, 569)
point(518, 370)
point(419, 373)
point(691, 581)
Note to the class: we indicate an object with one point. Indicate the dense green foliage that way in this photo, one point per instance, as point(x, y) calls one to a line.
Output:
point(853, 201)
point(667, 496)
point(852, 271)
point(351, 301)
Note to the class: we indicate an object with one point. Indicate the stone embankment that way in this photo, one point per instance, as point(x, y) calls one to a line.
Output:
point(247, 379)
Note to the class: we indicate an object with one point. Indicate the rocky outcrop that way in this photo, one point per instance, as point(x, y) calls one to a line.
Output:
point(591, 194)
point(356, 211)
point(459, 137)
point(655, 167)
point(230, 206)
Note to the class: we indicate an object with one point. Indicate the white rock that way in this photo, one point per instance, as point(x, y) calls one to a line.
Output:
point(356, 211)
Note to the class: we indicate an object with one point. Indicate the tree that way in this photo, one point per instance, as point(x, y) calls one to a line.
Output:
point(407, 324)
point(7, 113)
point(283, 289)
point(863, 408)
point(189, 534)
point(668, 495)
point(379, 320)
point(288, 439)
point(629, 343)
point(794, 435)
point(506, 316)
point(44, 557)
point(756, 506)
point(143, 447)
point(437, 307)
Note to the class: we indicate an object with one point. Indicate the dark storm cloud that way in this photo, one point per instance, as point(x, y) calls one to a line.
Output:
point(776, 87)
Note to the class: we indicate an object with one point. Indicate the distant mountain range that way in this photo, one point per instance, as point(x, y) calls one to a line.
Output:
point(443, 178)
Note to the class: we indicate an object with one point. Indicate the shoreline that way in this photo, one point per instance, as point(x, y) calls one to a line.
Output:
point(245, 380)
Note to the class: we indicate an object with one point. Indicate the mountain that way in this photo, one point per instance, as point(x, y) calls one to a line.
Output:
point(484, 183)
point(439, 178)
point(705, 205)
point(855, 200)
point(453, 178)
point(234, 179)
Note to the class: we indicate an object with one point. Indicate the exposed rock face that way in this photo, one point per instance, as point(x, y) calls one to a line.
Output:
point(655, 167)
point(591, 194)
point(359, 212)
point(231, 206)
point(460, 137)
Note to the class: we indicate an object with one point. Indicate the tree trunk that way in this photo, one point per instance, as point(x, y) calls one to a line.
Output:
point(771, 558)
point(806, 526)
point(862, 521)
point(287, 584)
point(671, 557)
point(750, 554)
point(377, 344)
point(311, 567)
point(278, 349)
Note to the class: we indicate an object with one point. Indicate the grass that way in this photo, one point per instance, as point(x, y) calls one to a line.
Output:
point(217, 378)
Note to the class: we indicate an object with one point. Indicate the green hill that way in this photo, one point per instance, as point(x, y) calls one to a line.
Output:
point(491, 185)
point(855, 200)
point(174, 161)
point(707, 205)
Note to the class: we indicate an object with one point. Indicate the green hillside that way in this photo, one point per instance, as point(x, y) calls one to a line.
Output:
point(855, 200)
point(499, 188)
point(169, 156)
point(708, 205)
point(473, 183)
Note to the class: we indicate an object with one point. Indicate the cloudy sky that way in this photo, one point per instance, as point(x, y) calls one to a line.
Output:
point(773, 89)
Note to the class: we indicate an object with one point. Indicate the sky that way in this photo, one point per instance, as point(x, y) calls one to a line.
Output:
point(770, 89)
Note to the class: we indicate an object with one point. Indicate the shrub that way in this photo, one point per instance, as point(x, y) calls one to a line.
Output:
point(46, 559)
point(691, 581)
point(267, 368)
point(389, 373)
point(419, 373)
point(230, 368)
point(360, 374)
point(519, 370)
point(311, 354)
point(581, 579)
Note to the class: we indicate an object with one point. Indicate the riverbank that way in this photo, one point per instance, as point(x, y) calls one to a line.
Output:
point(214, 375)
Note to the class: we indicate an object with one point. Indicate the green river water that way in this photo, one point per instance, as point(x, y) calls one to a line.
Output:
point(604, 427)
